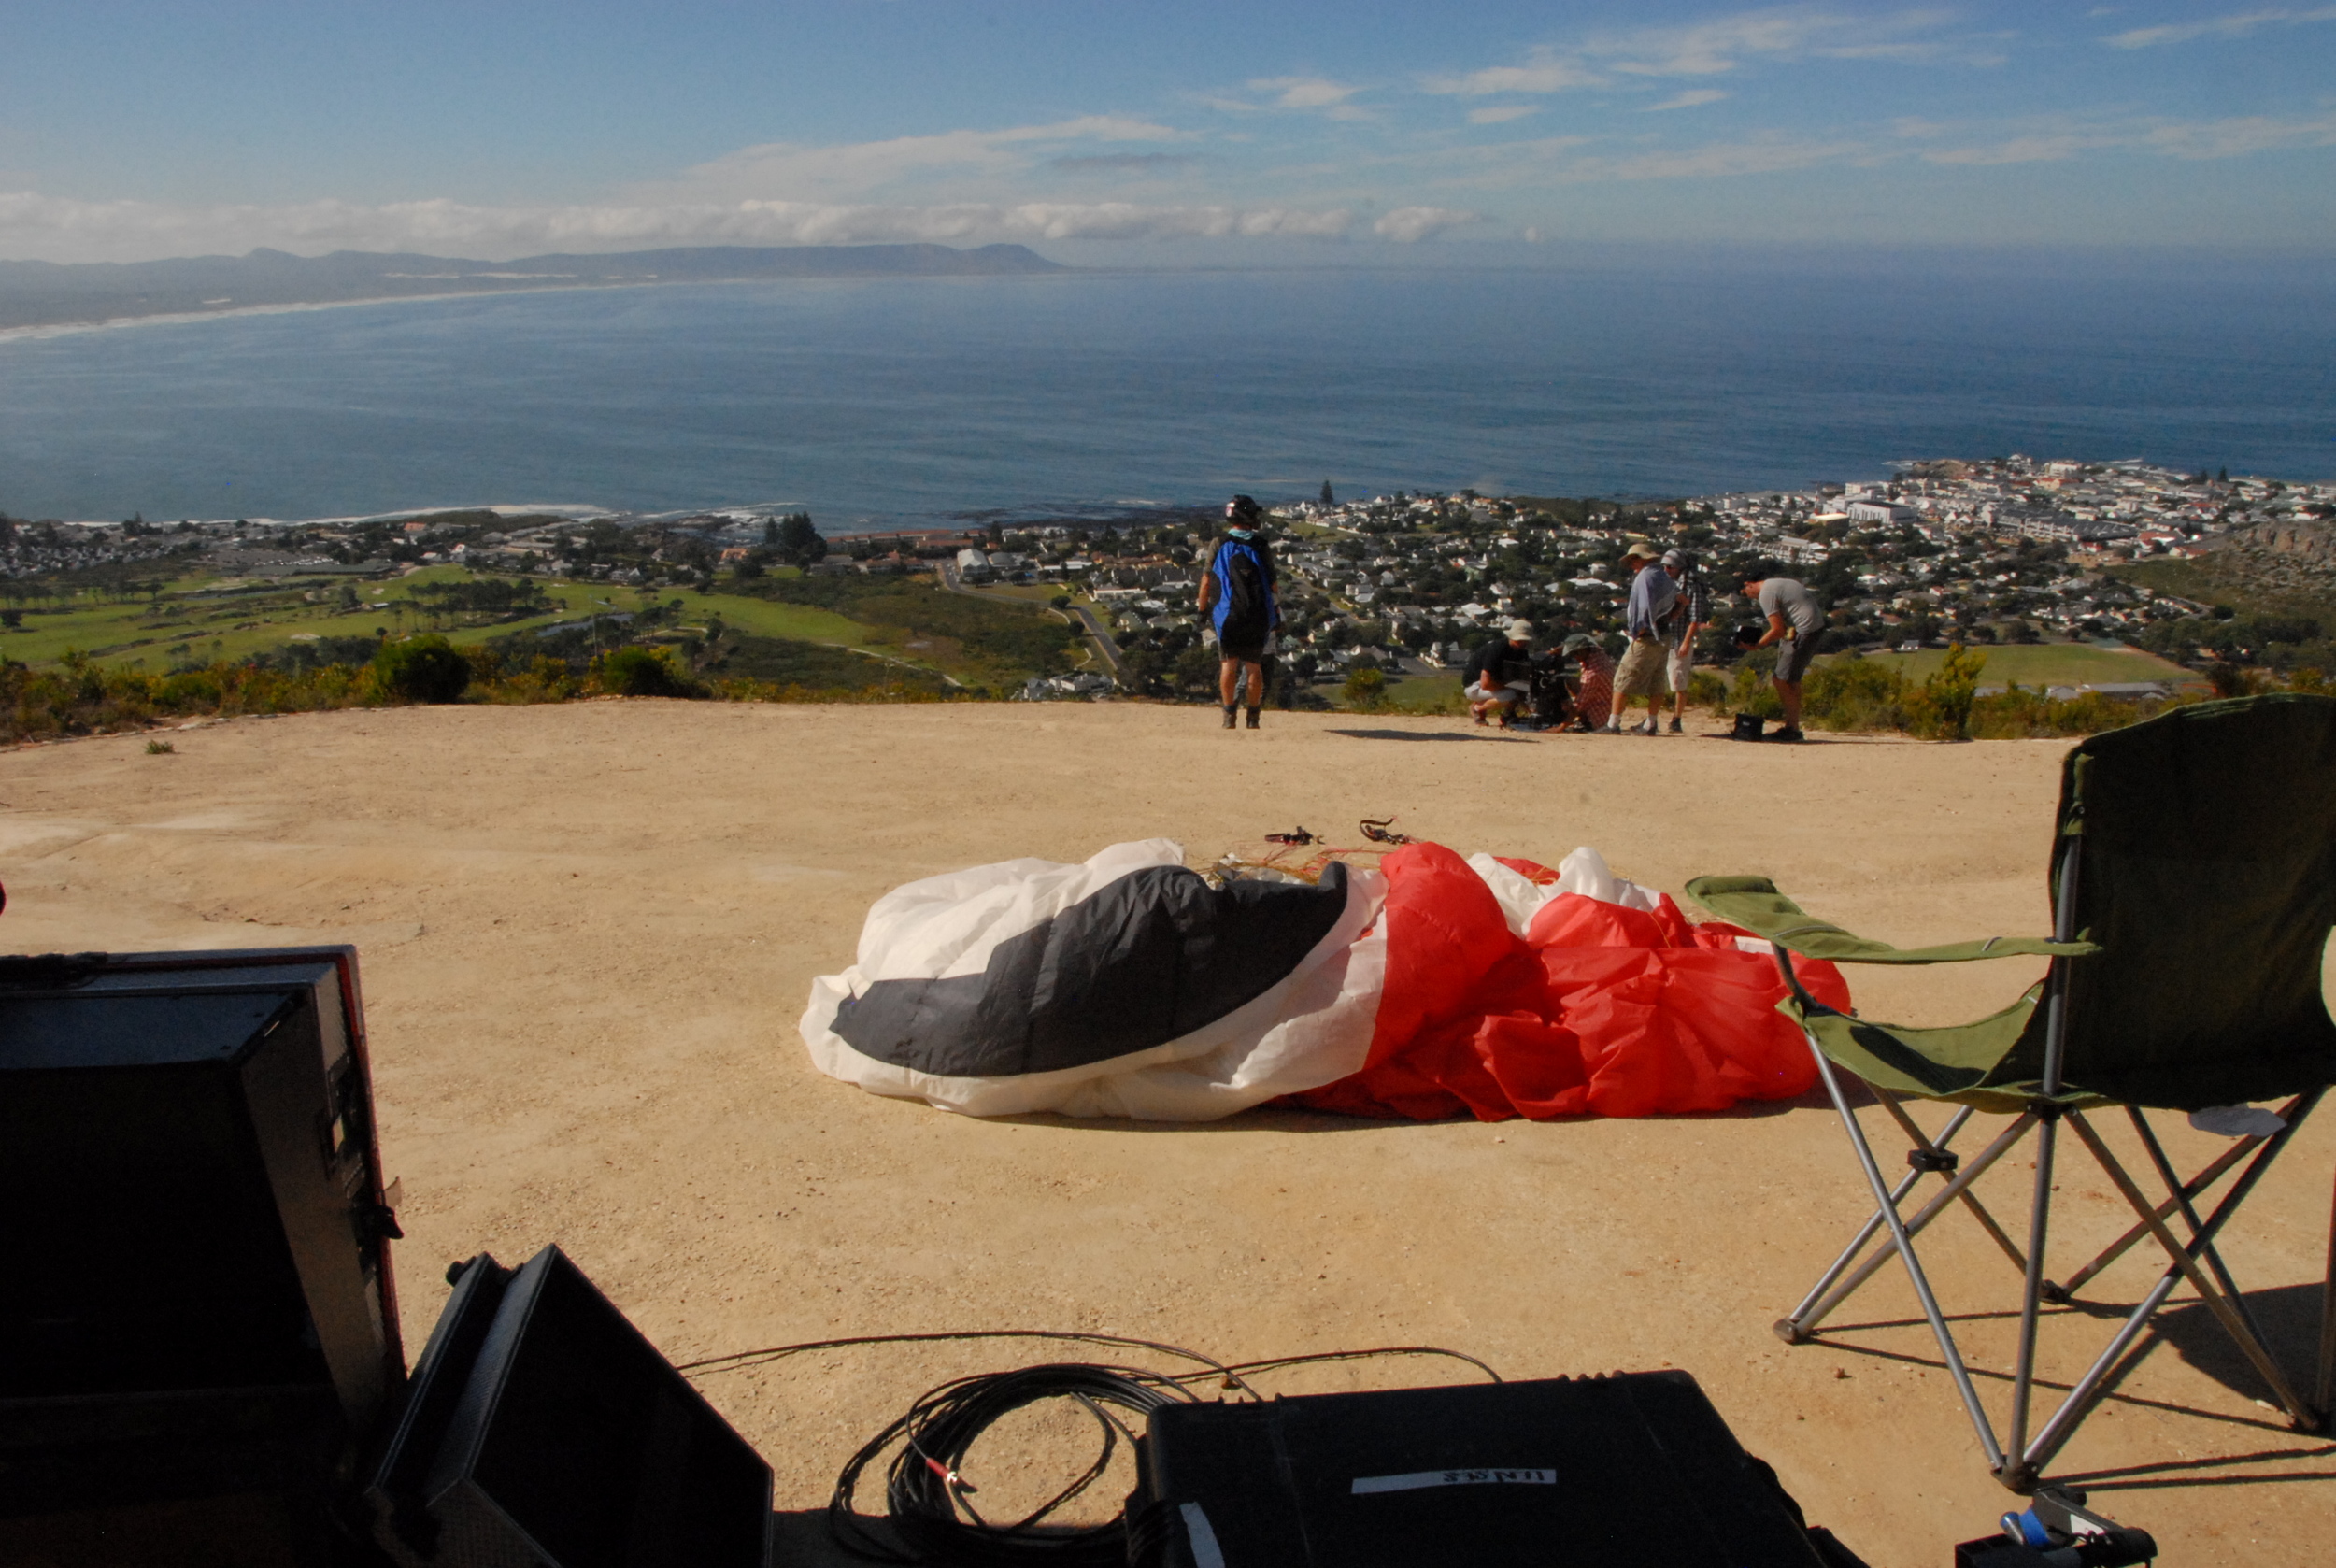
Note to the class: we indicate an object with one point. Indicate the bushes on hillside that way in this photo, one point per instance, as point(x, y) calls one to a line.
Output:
point(1851, 692)
point(642, 672)
point(421, 670)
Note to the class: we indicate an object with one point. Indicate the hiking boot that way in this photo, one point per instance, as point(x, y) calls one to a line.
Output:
point(1675, 726)
point(1253, 713)
point(1229, 713)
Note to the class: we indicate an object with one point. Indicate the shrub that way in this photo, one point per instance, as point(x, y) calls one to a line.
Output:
point(641, 672)
point(1941, 710)
point(424, 669)
point(1752, 693)
point(1855, 694)
point(1365, 690)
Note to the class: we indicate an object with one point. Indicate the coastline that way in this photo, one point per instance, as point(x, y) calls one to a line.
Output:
point(177, 318)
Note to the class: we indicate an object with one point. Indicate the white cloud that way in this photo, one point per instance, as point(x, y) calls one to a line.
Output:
point(787, 169)
point(2192, 140)
point(1687, 100)
point(1716, 48)
point(1407, 225)
point(1303, 93)
point(2237, 25)
point(1544, 71)
point(62, 228)
point(1499, 114)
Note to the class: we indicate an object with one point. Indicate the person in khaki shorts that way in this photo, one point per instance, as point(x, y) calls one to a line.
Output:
point(1654, 595)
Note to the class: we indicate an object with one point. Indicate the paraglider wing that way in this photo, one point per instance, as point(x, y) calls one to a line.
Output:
point(1127, 986)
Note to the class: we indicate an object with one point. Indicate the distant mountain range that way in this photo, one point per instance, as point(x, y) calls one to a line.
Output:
point(50, 293)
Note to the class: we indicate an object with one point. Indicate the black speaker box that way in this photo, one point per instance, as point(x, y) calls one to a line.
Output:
point(542, 1430)
point(195, 1296)
point(1619, 1472)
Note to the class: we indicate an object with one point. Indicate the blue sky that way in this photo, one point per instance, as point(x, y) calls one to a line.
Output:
point(1287, 129)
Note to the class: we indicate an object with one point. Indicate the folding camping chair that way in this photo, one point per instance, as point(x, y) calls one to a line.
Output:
point(2194, 887)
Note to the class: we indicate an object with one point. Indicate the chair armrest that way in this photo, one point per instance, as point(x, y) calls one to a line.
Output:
point(1754, 904)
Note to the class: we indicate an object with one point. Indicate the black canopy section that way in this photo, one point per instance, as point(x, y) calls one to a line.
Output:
point(1149, 959)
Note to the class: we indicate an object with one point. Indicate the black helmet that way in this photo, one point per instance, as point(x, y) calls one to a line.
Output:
point(1244, 508)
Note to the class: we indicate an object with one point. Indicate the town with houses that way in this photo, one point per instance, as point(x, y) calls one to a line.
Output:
point(2011, 549)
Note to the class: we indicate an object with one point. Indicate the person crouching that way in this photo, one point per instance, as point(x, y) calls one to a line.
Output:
point(1499, 675)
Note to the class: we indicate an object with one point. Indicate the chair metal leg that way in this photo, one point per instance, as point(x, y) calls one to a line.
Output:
point(2185, 1258)
point(2031, 1300)
point(1823, 1299)
point(2058, 1430)
point(2189, 1214)
point(2195, 1187)
point(1793, 1327)
point(1946, 1163)
point(1904, 1247)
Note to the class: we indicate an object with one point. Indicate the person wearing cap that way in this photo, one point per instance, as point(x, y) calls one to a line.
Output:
point(1693, 613)
point(1500, 674)
point(1654, 597)
point(1796, 624)
point(1593, 694)
point(1237, 596)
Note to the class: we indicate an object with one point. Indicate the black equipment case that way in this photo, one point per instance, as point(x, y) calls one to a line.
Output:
point(1619, 1472)
point(197, 1319)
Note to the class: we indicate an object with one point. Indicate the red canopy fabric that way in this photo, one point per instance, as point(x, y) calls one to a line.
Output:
point(1597, 1010)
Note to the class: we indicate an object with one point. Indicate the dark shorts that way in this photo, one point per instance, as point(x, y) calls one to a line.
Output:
point(1794, 653)
point(1237, 644)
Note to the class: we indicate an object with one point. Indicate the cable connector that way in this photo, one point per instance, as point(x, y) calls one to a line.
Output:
point(949, 1477)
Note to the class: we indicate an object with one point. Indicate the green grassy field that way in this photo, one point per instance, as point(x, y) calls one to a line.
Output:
point(204, 620)
point(2046, 664)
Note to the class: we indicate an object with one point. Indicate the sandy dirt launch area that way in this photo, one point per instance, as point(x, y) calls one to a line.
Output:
point(587, 933)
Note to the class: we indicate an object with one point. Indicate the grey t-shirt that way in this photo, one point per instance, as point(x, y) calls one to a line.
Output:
point(1783, 597)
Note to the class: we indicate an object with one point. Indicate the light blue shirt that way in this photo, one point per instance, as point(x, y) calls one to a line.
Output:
point(1653, 595)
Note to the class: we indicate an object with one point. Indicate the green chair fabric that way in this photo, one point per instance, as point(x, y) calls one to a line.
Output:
point(2206, 890)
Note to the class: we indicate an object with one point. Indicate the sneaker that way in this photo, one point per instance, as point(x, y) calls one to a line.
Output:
point(1645, 729)
point(1786, 735)
point(1253, 713)
point(1675, 726)
point(1480, 719)
point(1611, 728)
point(1228, 711)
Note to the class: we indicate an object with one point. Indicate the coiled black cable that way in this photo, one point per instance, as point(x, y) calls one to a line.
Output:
point(931, 1505)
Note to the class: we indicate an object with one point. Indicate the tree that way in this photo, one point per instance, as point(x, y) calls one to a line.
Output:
point(798, 542)
point(1366, 690)
point(1326, 499)
point(422, 670)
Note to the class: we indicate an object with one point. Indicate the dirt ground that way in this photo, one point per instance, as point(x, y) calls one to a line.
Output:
point(588, 930)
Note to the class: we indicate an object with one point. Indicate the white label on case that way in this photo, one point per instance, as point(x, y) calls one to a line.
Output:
point(1206, 1553)
point(1419, 1479)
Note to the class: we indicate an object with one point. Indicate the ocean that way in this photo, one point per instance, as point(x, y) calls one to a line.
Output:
point(890, 402)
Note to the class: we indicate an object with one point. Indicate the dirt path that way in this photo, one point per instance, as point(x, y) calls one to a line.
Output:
point(588, 932)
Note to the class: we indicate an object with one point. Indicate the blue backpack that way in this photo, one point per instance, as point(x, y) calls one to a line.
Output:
point(1243, 611)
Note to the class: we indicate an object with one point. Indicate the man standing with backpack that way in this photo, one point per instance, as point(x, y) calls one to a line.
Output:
point(1237, 595)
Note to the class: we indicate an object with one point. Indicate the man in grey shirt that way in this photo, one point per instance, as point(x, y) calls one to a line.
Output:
point(1796, 623)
